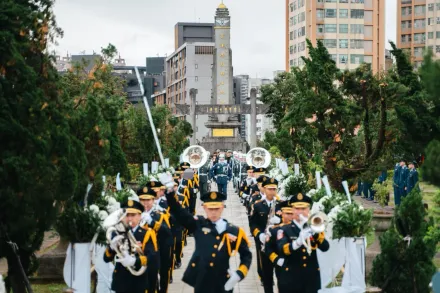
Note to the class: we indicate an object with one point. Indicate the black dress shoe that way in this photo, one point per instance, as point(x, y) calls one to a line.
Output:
point(177, 265)
point(171, 280)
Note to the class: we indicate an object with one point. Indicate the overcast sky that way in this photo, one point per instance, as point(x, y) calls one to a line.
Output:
point(144, 28)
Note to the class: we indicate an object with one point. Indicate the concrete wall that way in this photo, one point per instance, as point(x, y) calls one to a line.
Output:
point(190, 32)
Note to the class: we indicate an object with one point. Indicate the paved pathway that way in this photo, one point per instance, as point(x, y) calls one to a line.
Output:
point(235, 213)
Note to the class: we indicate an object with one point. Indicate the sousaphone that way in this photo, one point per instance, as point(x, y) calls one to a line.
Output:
point(258, 158)
point(196, 156)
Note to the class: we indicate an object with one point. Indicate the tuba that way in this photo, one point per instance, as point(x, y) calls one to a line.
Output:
point(315, 224)
point(196, 156)
point(258, 157)
point(127, 243)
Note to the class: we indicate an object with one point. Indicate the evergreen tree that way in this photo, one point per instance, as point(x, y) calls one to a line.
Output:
point(431, 167)
point(97, 103)
point(406, 265)
point(41, 161)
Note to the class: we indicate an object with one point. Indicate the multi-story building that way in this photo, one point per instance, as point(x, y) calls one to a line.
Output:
point(190, 66)
point(418, 27)
point(241, 94)
point(191, 32)
point(353, 31)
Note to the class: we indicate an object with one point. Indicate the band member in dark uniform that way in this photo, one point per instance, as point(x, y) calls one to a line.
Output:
point(123, 280)
point(264, 214)
point(271, 239)
point(216, 241)
point(300, 272)
point(159, 222)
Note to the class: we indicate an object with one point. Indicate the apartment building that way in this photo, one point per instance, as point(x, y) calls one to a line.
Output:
point(418, 27)
point(352, 30)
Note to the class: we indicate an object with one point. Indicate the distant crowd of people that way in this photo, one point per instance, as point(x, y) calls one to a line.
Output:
point(405, 179)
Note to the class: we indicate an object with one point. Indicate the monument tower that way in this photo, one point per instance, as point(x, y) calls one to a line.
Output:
point(223, 127)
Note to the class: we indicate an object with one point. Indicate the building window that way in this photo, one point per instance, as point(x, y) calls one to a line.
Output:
point(343, 28)
point(430, 20)
point(334, 57)
point(343, 58)
point(196, 78)
point(430, 35)
point(291, 36)
point(357, 13)
point(356, 59)
point(356, 44)
point(419, 23)
point(419, 38)
point(331, 13)
point(330, 28)
point(437, 49)
point(320, 28)
point(320, 13)
point(330, 43)
point(356, 28)
point(419, 9)
point(437, 35)
point(431, 7)
point(343, 1)
point(197, 66)
point(343, 43)
point(343, 13)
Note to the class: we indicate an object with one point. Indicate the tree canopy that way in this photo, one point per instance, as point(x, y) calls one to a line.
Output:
point(350, 123)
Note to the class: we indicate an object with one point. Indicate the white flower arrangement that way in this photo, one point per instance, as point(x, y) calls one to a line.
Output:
point(163, 169)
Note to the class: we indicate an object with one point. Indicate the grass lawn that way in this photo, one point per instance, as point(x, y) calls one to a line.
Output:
point(49, 288)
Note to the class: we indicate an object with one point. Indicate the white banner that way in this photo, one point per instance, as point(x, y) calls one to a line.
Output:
point(347, 191)
point(154, 167)
point(103, 269)
point(145, 167)
point(296, 166)
point(354, 273)
point(118, 182)
point(326, 185)
point(318, 180)
point(77, 266)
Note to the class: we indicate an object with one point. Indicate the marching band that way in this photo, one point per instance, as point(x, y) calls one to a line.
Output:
point(146, 237)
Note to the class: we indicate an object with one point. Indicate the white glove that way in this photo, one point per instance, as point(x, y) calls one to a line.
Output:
point(233, 280)
point(274, 220)
point(115, 241)
point(166, 179)
point(146, 217)
point(280, 262)
point(127, 260)
point(262, 238)
point(303, 235)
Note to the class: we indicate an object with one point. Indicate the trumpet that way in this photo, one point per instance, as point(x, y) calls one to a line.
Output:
point(126, 244)
point(315, 224)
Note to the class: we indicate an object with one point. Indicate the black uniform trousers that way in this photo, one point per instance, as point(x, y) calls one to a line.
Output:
point(259, 261)
point(166, 262)
point(178, 244)
point(267, 271)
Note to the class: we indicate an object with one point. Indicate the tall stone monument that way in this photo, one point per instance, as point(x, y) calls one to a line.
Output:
point(223, 127)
